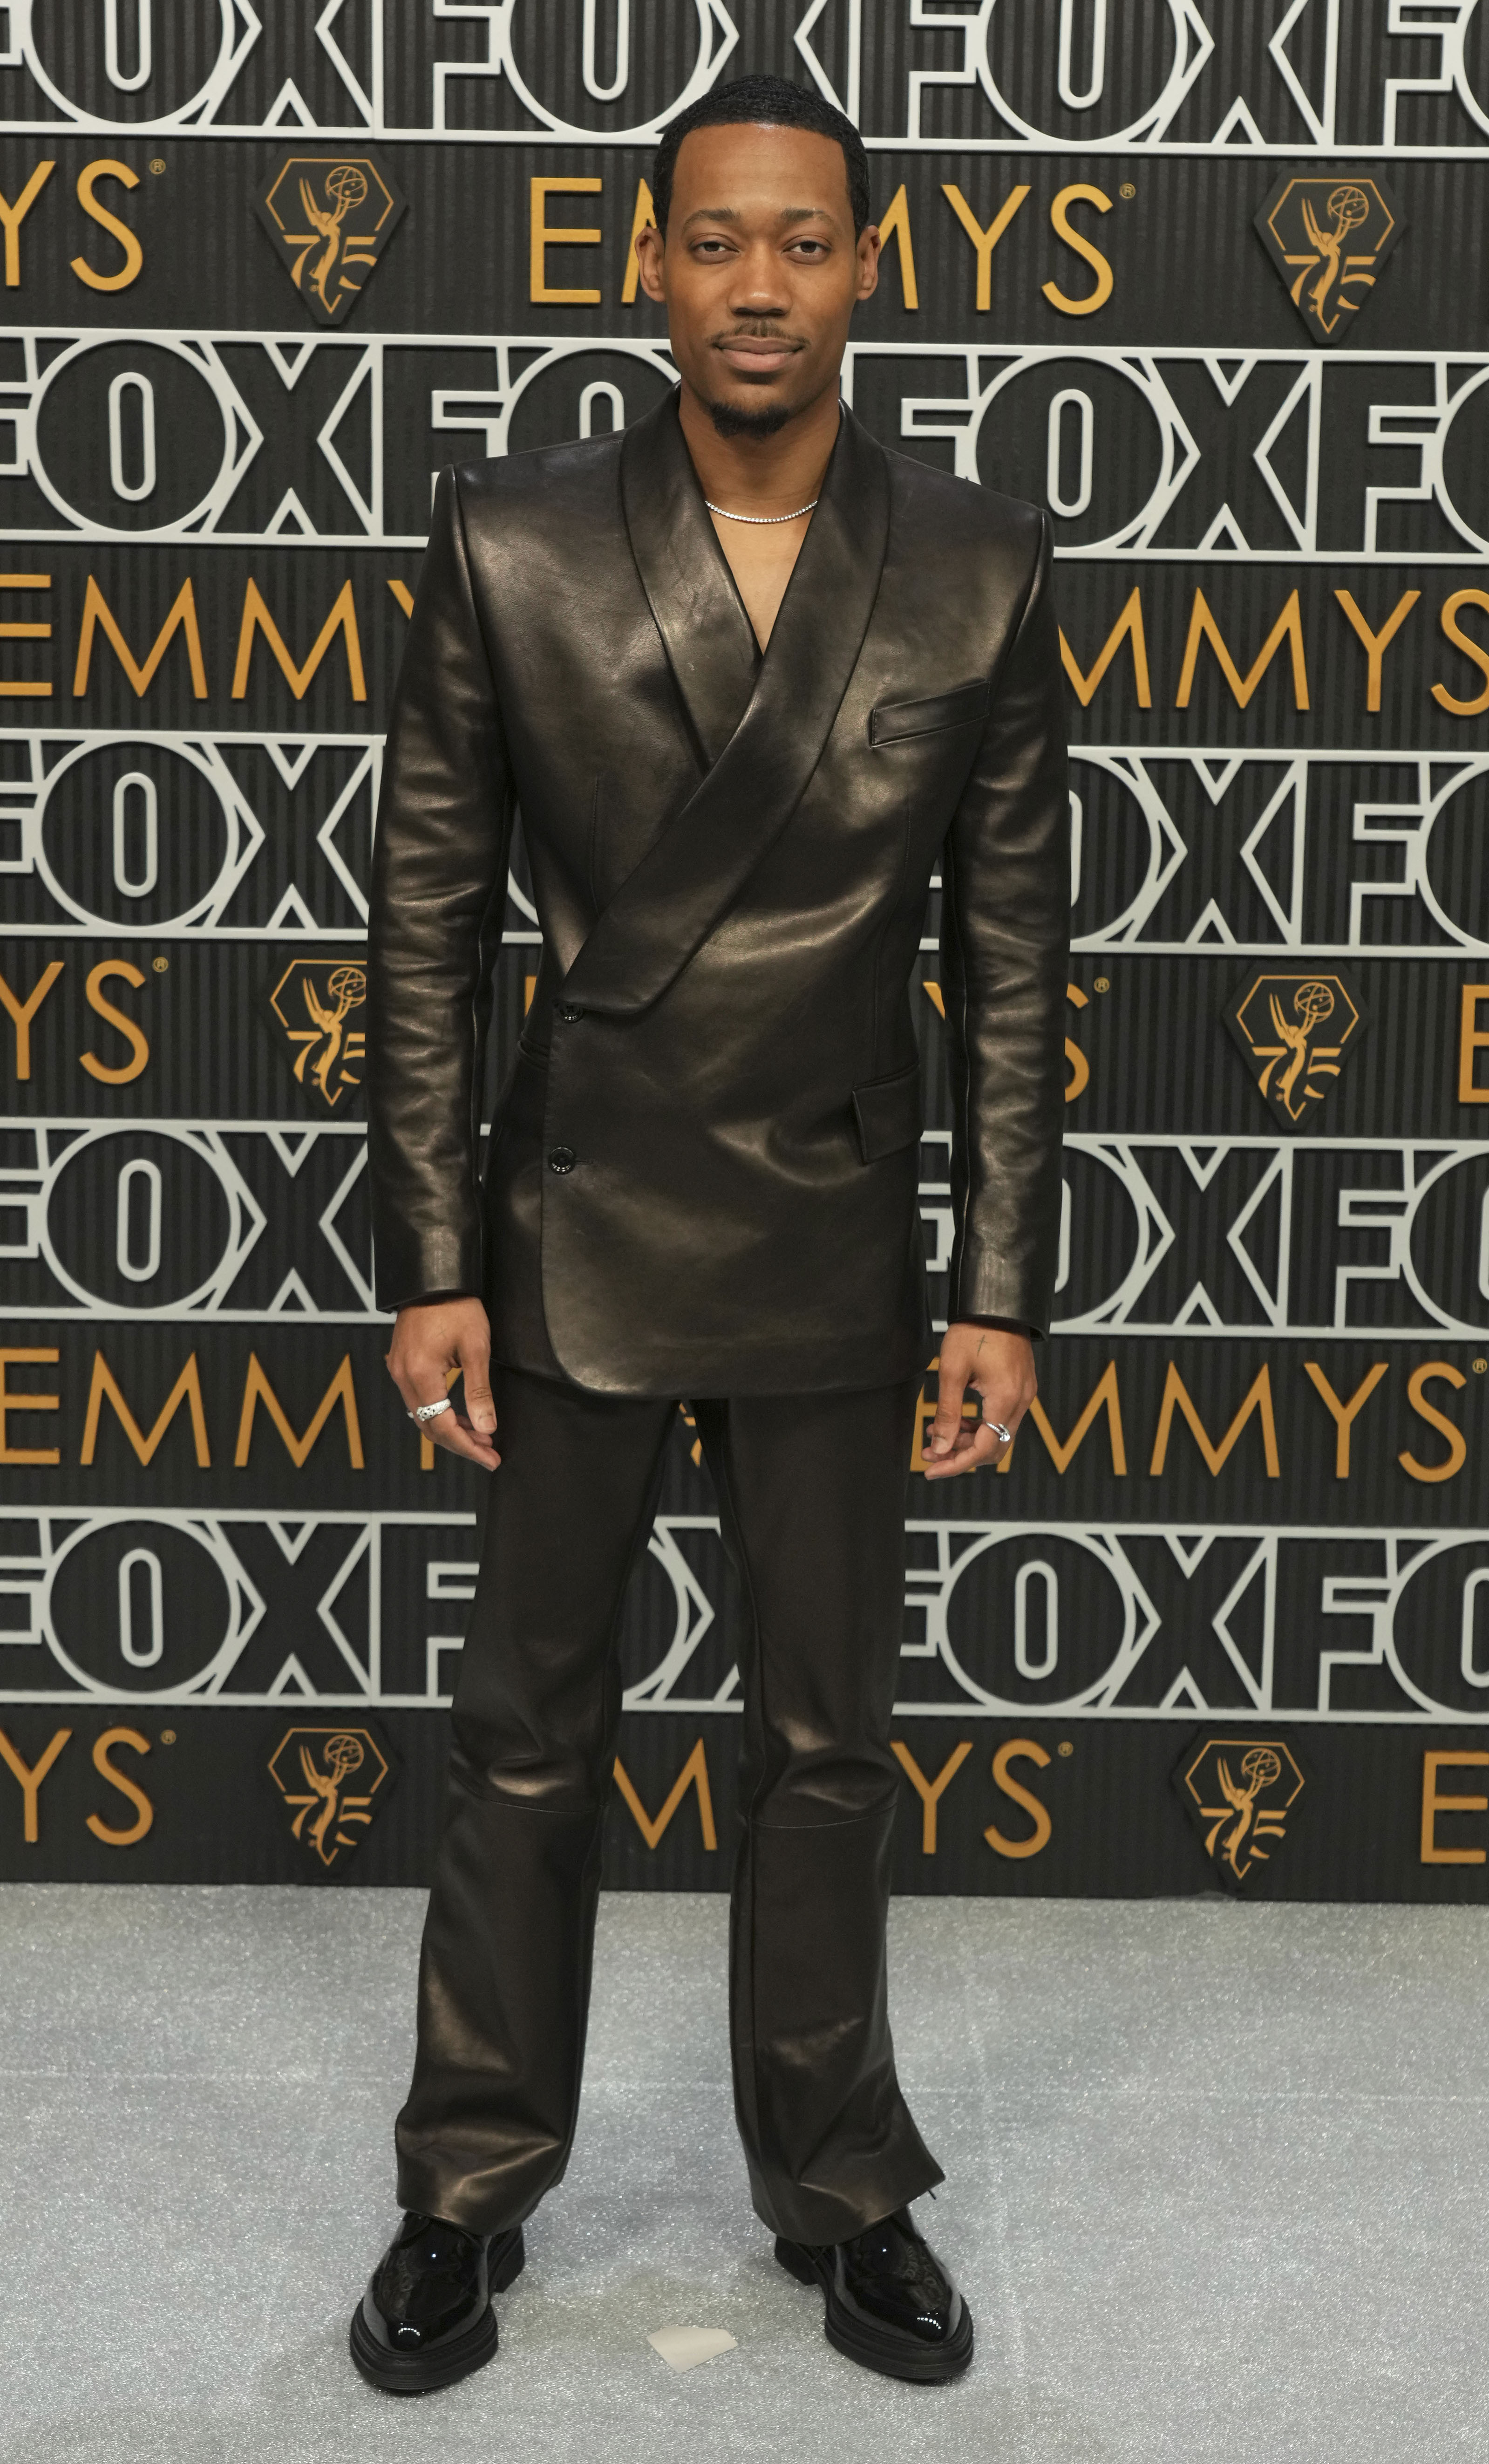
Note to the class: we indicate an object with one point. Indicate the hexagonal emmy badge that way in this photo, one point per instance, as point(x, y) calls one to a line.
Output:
point(1295, 1025)
point(316, 1008)
point(1328, 239)
point(330, 217)
point(330, 1778)
point(1239, 1792)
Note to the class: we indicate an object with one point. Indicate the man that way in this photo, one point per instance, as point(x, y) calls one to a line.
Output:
point(751, 679)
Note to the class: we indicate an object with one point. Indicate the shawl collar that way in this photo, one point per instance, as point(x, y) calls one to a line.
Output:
point(759, 762)
point(708, 639)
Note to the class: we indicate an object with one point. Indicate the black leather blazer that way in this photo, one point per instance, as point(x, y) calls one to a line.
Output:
point(702, 1176)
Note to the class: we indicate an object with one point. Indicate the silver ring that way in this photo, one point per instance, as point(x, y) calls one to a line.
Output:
point(999, 1431)
point(430, 1411)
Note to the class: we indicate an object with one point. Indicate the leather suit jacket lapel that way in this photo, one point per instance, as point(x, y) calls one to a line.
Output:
point(708, 639)
point(688, 880)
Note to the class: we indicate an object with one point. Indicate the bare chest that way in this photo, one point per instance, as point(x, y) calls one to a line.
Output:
point(761, 558)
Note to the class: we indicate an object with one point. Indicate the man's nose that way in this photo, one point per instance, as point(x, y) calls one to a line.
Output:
point(760, 286)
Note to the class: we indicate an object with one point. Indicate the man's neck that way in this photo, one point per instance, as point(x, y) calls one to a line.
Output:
point(761, 474)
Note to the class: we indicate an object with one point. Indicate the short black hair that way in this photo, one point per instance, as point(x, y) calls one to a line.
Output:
point(774, 103)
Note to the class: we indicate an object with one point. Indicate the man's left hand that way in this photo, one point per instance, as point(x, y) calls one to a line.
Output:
point(996, 1364)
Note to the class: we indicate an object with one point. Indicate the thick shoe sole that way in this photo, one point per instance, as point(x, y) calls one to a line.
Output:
point(420, 2373)
point(893, 2356)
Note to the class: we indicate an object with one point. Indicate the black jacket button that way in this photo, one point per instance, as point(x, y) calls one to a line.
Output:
point(562, 1158)
point(570, 1012)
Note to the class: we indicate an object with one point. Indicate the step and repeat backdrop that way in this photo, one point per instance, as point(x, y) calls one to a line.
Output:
point(1207, 278)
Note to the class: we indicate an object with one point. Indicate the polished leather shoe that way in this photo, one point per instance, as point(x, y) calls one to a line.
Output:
point(426, 2320)
point(890, 2303)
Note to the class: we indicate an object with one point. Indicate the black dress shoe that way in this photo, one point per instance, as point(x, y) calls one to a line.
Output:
point(890, 2303)
point(426, 2320)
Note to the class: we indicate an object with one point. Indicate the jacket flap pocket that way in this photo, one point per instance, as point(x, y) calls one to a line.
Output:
point(887, 1113)
point(894, 720)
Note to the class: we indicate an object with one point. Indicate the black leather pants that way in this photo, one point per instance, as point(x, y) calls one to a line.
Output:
point(812, 1499)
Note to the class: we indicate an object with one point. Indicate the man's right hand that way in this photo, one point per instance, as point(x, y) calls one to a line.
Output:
point(434, 1342)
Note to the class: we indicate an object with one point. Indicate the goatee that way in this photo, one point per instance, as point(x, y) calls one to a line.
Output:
point(768, 421)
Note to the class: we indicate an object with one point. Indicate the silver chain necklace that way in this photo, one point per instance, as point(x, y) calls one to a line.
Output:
point(759, 520)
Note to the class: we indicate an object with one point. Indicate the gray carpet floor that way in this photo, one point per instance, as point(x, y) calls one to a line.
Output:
point(1218, 2187)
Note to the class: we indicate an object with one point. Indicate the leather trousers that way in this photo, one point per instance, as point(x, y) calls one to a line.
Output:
point(811, 1492)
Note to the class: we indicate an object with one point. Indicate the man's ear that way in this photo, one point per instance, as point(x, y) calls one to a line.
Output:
point(651, 250)
point(868, 260)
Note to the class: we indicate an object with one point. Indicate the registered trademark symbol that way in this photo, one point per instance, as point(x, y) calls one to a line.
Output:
point(167, 1736)
point(1127, 189)
point(160, 966)
point(1480, 1365)
point(158, 164)
point(1066, 1747)
point(1104, 983)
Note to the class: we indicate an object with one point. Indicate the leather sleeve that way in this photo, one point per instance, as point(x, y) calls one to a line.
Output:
point(1004, 953)
point(438, 886)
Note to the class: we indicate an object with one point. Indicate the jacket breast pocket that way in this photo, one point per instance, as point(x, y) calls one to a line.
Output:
point(887, 1113)
point(893, 723)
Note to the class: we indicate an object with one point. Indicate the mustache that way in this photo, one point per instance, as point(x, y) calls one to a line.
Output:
point(758, 330)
